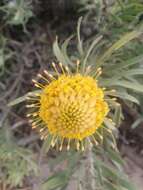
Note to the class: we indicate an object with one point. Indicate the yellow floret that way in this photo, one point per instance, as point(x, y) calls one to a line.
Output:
point(73, 107)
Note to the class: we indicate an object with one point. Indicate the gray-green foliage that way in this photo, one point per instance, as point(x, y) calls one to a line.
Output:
point(13, 13)
point(15, 162)
point(61, 179)
point(96, 168)
point(121, 64)
point(5, 54)
point(16, 11)
point(116, 48)
point(118, 72)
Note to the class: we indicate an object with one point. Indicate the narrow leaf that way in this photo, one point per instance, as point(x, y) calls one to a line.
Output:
point(17, 100)
point(117, 45)
point(22, 98)
point(90, 50)
point(58, 180)
point(58, 53)
point(130, 62)
point(126, 84)
point(80, 48)
point(117, 115)
point(46, 145)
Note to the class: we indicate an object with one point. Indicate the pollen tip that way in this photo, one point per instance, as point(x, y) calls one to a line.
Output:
point(42, 129)
point(78, 62)
point(34, 81)
point(30, 106)
point(42, 137)
point(50, 75)
point(52, 145)
point(77, 145)
point(39, 75)
point(83, 149)
point(34, 114)
point(33, 126)
point(110, 120)
point(54, 65)
point(68, 147)
point(45, 71)
point(99, 69)
point(30, 93)
point(37, 94)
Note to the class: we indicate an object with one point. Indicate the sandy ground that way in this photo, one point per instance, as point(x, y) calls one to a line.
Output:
point(133, 166)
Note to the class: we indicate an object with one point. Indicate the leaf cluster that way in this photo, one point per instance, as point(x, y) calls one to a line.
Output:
point(15, 162)
point(16, 12)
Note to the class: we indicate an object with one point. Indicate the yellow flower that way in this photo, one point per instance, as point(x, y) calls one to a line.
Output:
point(70, 107)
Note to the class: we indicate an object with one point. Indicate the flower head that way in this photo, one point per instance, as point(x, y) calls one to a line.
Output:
point(71, 107)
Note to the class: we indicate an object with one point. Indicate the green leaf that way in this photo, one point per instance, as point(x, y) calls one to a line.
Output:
point(114, 155)
point(58, 180)
point(22, 98)
point(134, 72)
point(99, 174)
point(64, 49)
point(46, 145)
point(117, 177)
point(130, 62)
point(79, 47)
point(121, 4)
point(137, 123)
point(126, 96)
point(109, 124)
point(110, 186)
point(90, 50)
point(117, 45)
point(58, 53)
point(126, 84)
point(117, 115)
point(71, 156)
point(18, 100)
